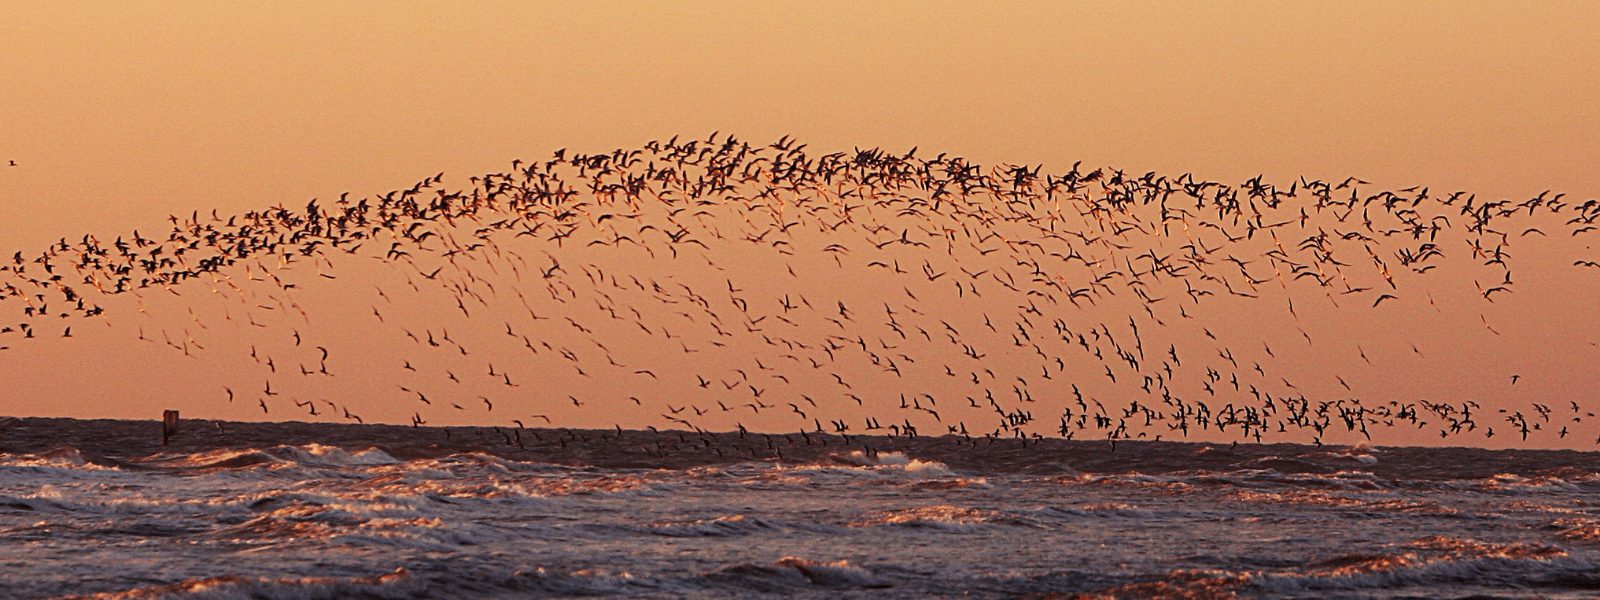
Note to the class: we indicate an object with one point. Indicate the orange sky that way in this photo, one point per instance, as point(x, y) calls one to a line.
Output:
point(122, 113)
point(119, 114)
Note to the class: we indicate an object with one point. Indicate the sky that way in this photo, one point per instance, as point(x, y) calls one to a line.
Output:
point(123, 113)
point(119, 114)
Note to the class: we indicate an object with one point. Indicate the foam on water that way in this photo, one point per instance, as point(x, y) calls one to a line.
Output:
point(309, 520)
point(895, 462)
point(941, 517)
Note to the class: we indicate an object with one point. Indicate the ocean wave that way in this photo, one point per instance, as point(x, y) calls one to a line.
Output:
point(1343, 501)
point(728, 526)
point(396, 584)
point(64, 458)
point(1095, 510)
point(1438, 561)
point(27, 503)
point(1160, 484)
point(1577, 529)
point(1522, 484)
point(97, 499)
point(791, 574)
point(549, 487)
point(941, 517)
point(274, 457)
point(303, 521)
point(1185, 584)
point(881, 468)
point(543, 580)
point(896, 461)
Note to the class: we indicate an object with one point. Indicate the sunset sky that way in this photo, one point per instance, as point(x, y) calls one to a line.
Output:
point(120, 114)
point(123, 113)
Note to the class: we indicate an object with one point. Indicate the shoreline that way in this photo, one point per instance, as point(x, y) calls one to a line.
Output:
point(136, 444)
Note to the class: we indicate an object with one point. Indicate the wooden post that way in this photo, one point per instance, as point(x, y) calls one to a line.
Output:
point(169, 425)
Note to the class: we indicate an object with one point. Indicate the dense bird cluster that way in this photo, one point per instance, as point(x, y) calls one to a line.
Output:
point(710, 284)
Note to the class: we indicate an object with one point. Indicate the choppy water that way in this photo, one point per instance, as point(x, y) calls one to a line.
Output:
point(94, 508)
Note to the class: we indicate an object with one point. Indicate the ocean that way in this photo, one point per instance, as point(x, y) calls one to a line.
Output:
point(100, 509)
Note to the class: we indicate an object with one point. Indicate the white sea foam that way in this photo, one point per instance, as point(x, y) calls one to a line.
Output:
point(319, 522)
point(941, 517)
point(896, 461)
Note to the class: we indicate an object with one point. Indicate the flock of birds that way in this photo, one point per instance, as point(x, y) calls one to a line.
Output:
point(713, 285)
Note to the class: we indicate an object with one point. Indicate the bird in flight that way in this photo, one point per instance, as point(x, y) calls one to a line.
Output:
point(1047, 263)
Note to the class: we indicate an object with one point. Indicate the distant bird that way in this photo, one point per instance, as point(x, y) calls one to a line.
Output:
point(835, 272)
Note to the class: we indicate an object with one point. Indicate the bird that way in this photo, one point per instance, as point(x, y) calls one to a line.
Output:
point(656, 260)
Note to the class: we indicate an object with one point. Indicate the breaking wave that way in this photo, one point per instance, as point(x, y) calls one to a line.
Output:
point(379, 517)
